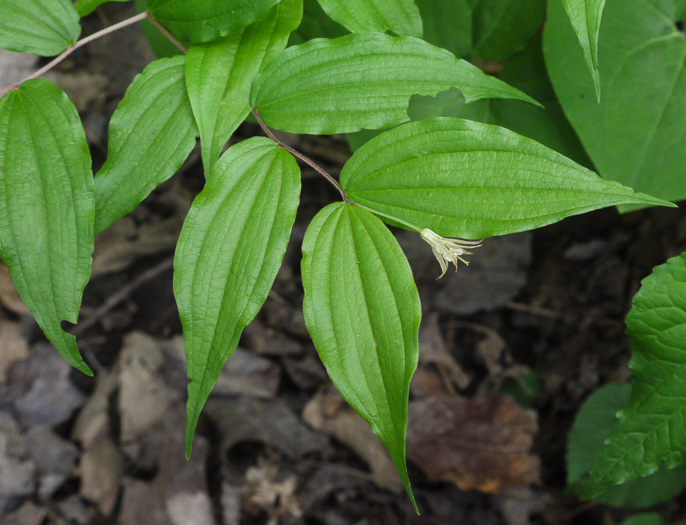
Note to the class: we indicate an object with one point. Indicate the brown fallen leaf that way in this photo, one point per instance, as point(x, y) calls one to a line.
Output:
point(329, 413)
point(13, 347)
point(144, 398)
point(8, 293)
point(102, 469)
point(438, 371)
point(481, 443)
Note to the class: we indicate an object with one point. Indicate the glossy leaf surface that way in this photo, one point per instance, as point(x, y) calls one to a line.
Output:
point(635, 134)
point(585, 16)
point(46, 207)
point(362, 81)
point(592, 427)
point(649, 432)
point(471, 180)
point(362, 310)
point(230, 249)
point(525, 71)
point(152, 132)
point(86, 7)
point(376, 16)
point(194, 21)
point(41, 27)
point(221, 100)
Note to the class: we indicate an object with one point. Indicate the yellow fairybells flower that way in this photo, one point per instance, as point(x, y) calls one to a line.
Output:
point(448, 250)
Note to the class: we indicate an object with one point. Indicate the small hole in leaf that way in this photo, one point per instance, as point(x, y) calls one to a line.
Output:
point(68, 327)
point(680, 25)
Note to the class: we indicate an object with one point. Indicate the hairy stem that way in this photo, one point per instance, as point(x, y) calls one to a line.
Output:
point(74, 47)
point(300, 156)
point(166, 33)
point(90, 38)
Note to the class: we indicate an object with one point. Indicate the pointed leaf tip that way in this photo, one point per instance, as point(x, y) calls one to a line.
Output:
point(362, 81)
point(362, 310)
point(470, 180)
point(229, 252)
point(47, 207)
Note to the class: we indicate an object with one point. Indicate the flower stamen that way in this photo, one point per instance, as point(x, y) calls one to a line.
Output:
point(447, 250)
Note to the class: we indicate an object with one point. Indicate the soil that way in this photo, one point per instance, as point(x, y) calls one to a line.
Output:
point(276, 444)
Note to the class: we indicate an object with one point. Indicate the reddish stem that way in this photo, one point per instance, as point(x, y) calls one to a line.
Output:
point(300, 156)
point(74, 47)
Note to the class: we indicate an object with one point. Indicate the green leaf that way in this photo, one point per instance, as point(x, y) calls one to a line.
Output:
point(86, 7)
point(448, 25)
point(471, 180)
point(152, 132)
point(193, 21)
point(41, 27)
point(592, 427)
point(648, 518)
point(221, 101)
point(315, 24)
point(488, 29)
point(502, 27)
point(362, 310)
point(635, 135)
point(230, 249)
point(160, 44)
point(585, 16)
point(46, 207)
point(362, 81)
point(526, 72)
point(376, 16)
point(649, 432)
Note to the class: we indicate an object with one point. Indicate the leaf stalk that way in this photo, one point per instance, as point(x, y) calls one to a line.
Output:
point(300, 156)
point(129, 21)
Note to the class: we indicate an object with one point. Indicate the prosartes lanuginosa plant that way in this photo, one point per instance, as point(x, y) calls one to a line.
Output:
point(385, 74)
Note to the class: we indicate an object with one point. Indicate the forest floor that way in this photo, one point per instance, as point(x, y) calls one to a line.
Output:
point(538, 316)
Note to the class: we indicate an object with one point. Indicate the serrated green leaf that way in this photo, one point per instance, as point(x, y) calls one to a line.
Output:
point(471, 180)
point(591, 428)
point(649, 432)
point(362, 311)
point(221, 101)
point(362, 81)
point(376, 16)
point(46, 207)
point(193, 21)
point(230, 249)
point(152, 132)
point(648, 518)
point(41, 27)
point(641, 57)
point(86, 7)
point(585, 16)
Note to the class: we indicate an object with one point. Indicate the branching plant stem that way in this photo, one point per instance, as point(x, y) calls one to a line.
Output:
point(300, 156)
point(90, 38)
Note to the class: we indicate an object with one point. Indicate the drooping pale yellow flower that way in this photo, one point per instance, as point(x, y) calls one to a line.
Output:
point(448, 250)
